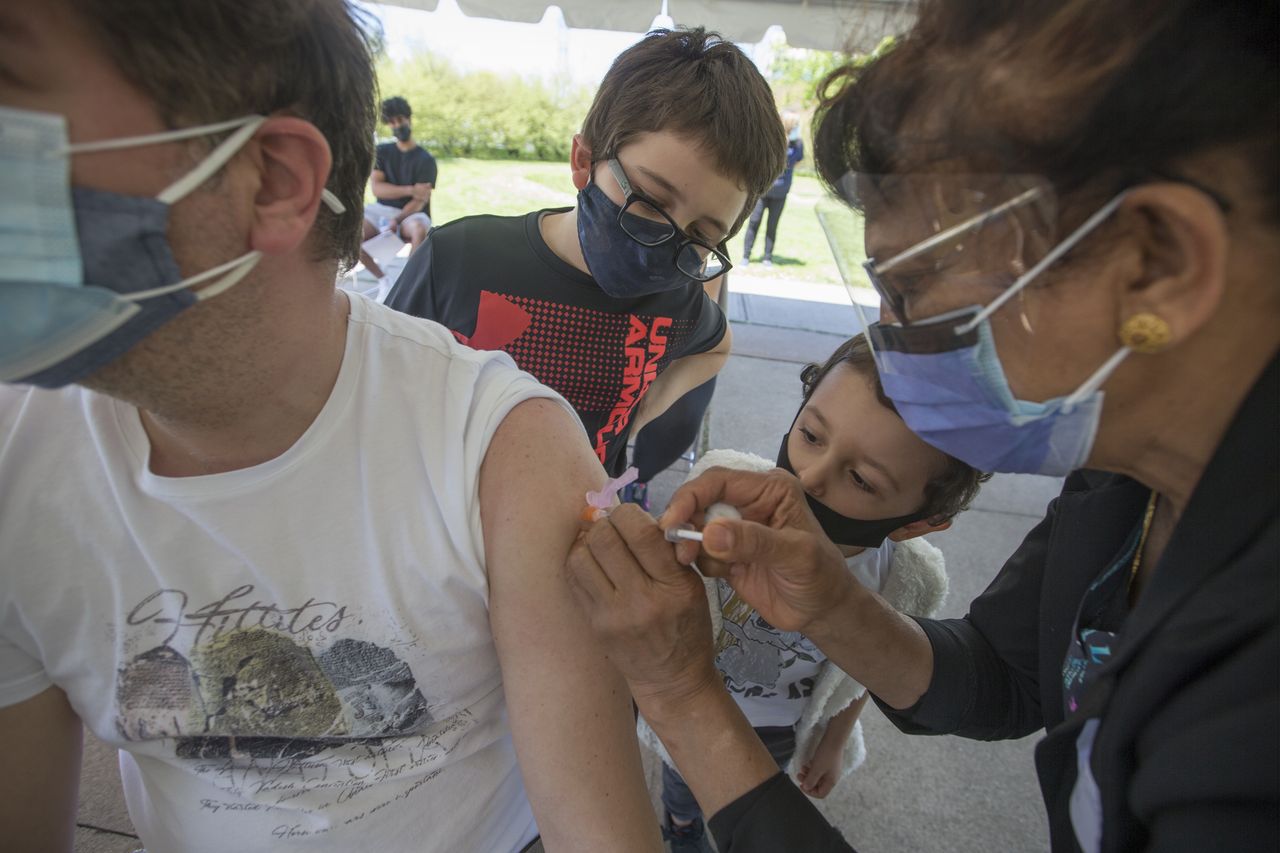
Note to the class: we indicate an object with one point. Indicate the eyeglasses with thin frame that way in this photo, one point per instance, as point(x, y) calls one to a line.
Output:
point(643, 220)
point(897, 300)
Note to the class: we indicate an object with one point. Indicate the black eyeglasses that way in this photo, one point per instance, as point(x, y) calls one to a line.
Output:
point(644, 221)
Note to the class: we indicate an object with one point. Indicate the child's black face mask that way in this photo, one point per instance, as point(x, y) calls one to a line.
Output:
point(840, 529)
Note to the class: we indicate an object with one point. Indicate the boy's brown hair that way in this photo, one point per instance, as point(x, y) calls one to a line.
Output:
point(948, 493)
point(695, 84)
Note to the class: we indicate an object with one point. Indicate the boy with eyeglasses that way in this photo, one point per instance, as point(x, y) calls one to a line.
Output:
point(604, 301)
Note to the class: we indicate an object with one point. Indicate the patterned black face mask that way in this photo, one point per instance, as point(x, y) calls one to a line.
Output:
point(841, 529)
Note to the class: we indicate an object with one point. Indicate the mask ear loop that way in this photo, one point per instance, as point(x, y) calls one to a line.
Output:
point(216, 159)
point(1094, 382)
point(1047, 261)
point(237, 268)
point(156, 138)
point(1019, 235)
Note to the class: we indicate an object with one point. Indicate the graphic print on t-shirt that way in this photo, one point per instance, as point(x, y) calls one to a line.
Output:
point(279, 703)
point(755, 658)
point(602, 362)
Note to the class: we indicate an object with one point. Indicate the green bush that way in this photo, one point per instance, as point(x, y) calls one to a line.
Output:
point(482, 114)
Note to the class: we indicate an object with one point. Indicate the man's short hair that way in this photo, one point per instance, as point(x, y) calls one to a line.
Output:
point(695, 84)
point(212, 60)
point(395, 106)
point(949, 491)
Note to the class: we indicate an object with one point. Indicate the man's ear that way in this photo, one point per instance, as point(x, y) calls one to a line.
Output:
point(580, 162)
point(919, 528)
point(1182, 236)
point(293, 163)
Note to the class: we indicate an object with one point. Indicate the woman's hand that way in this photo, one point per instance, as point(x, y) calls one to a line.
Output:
point(649, 611)
point(777, 558)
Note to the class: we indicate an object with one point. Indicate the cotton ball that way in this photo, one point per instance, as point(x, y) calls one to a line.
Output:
point(722, 510)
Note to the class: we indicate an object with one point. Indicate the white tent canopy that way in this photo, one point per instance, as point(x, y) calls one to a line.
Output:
point(824, 24)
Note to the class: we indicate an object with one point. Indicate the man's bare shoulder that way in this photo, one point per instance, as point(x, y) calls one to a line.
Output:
point(541, 438)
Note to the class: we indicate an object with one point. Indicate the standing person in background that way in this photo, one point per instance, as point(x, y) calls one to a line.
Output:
point(776, 197)
point(404, 176)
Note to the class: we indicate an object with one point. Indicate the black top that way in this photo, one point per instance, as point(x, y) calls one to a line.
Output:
point(1187, 751)
point(494, 281)
point(405, 168)
point(782, 184)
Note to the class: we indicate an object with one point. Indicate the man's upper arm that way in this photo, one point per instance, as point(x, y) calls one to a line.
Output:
point(570, 711)
point(40, 739)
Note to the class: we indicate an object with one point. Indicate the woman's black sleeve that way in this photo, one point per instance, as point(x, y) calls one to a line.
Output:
point(775, 817)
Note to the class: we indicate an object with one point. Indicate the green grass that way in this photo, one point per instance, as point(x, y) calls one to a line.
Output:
point(507, 187)
point(802, 249)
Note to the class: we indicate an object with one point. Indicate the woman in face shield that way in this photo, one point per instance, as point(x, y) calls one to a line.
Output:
point(1073, 220)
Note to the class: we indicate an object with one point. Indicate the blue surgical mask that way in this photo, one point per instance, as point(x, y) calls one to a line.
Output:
point(621, 266)
point(945, 378)
point(89, 273)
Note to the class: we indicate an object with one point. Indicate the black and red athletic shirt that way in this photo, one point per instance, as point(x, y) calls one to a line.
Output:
point(496, 284)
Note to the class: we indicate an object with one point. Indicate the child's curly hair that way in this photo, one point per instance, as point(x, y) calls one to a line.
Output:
point(947, 494)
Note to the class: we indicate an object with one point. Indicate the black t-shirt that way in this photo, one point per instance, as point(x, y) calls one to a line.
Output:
point(405, 168)
point(496, 284)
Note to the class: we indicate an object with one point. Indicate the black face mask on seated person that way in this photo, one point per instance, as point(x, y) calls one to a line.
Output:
point(403, 132)
point(840, 529)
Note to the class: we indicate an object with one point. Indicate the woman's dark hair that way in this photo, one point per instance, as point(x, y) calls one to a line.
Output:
point(395, 106)
point(945, 495)
point(1091, 95)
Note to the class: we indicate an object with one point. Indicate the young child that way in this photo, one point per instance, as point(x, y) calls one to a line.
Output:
point(874, 487)
point(604, 301)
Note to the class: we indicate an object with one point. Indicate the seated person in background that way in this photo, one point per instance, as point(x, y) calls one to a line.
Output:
point(875, 487)
point(604, 301)
point(298, 556)
point(404, 176)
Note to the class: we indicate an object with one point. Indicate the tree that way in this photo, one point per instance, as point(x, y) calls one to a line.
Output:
point(483, 114)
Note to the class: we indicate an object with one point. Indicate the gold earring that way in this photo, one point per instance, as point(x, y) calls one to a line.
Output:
point(1145, 333)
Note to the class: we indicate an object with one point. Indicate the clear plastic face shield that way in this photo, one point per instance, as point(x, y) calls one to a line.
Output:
point(945, 253)
point(934, 243)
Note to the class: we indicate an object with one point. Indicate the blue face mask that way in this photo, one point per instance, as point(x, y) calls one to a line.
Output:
point(946, 381)
point(621, 266)
point(89, 273)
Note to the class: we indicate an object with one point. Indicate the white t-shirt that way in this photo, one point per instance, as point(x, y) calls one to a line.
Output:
point(293, 655)
point(771, 673)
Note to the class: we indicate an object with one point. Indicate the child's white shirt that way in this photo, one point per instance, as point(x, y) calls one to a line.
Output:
point(771, 673)
point(910, 576)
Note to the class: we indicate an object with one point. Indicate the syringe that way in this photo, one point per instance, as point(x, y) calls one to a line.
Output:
point(686, 532)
